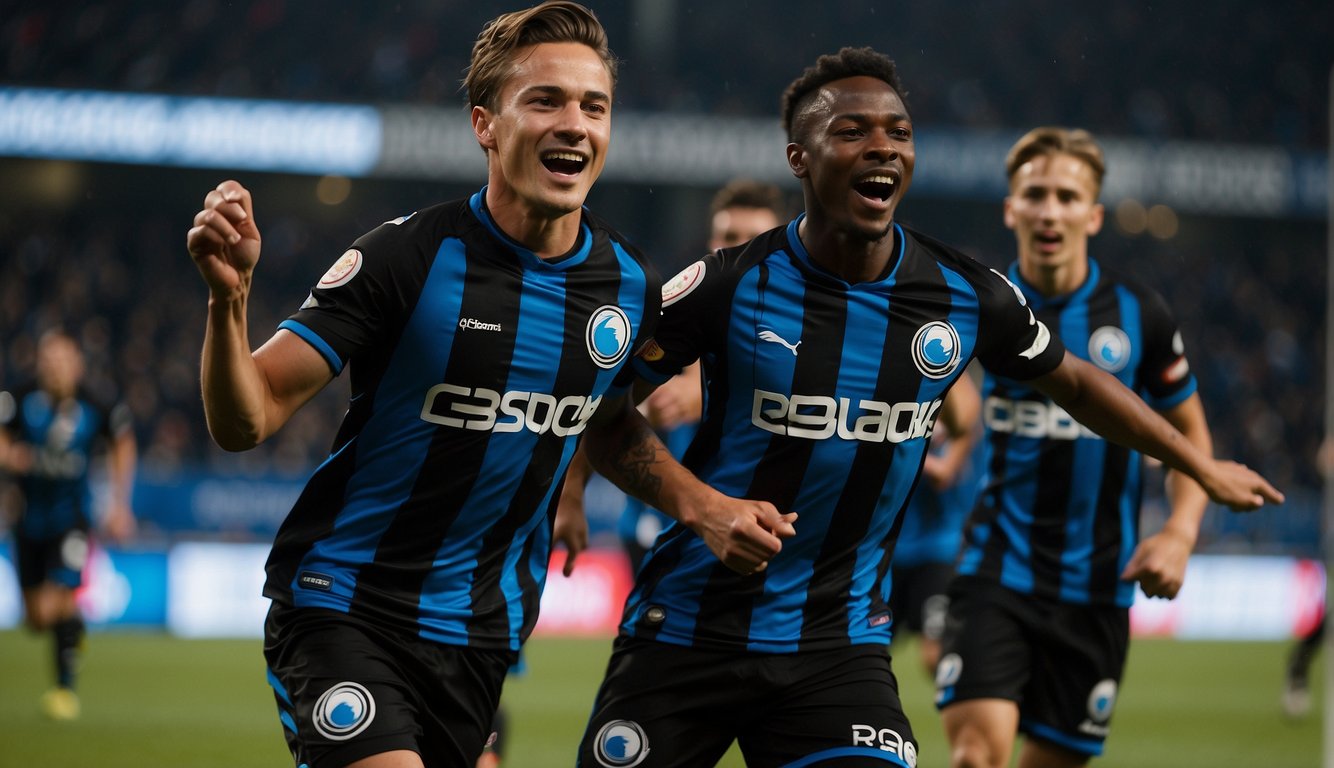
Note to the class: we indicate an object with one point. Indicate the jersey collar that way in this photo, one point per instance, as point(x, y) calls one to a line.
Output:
point(528, 258)
point(1037, 300)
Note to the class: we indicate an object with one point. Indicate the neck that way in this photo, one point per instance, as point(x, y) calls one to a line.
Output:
point(547, 233)
point(853, 258)
point(1055, 281)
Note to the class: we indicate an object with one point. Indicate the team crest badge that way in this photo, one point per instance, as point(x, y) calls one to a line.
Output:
point(343, 711)
point(343, 270)
point(620, 744)
point(1109, 348)
point(935, 349)
point(1101, 701)
point(608, 336)
point(680, 286)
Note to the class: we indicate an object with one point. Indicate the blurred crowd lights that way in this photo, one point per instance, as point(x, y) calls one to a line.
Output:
point(1158, 221)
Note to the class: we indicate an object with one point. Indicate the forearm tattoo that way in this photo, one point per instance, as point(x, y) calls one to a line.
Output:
point(630, 463)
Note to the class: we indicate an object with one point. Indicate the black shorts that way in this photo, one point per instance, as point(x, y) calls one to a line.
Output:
point(918, 599)
point(1061, 662)
point(348, 688)
point(57, 560)
point(667, 705)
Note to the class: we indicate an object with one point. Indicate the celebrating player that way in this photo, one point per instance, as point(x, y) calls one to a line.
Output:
point(1038, 624)
point(827, 347)
point(481, 335)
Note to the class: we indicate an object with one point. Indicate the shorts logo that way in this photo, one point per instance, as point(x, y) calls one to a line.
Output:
point(74, 550)
point(1101, 701)
point(620, 744)
point(344, 711)
point(1109, 348)
point(948, 670)
point(935, 349)
point(608, 335)
point(680, 286)
point(886, 740)
point(343, 270)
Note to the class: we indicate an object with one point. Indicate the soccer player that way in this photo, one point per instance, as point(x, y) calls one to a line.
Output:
point(932, 528)
point(1038, 623)
point(827, 347)
point(481, 335)
point(49, 436)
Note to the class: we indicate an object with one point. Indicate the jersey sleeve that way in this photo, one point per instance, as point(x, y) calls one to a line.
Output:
point(1012, 342)
point(351, 306)
point(690, 302)
point(1164, 371)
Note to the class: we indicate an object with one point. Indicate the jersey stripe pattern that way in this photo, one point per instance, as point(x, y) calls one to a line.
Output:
point(475, 365)
point(63, 437)
point(821, 398)
point(1059, 515)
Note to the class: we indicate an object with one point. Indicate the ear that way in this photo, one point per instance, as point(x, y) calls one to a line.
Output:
point(796, 160)
point(1009, 213)
point(1096, 216)
point(481, 127)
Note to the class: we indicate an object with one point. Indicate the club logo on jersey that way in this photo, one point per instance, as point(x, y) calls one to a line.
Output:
point(655, 614)
point(886, 740)
point(74, 550)
point(935, 349)
point(343, 711)
point(776, 339)
point(1109, 348)
point(620, 744)
point(608, 335)
point(680, 286)
point(343, 270)
point(817, 417)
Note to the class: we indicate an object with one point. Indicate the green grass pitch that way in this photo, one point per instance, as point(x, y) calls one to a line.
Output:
point(153, 700)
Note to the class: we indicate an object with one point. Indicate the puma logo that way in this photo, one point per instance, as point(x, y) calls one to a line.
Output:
point(775, 338)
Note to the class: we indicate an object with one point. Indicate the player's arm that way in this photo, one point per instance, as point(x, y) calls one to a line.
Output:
point(742, 533)
point(1159, 562)
point(960, 414)
point(122, 458)
point(247, 397)
point(1103, 404)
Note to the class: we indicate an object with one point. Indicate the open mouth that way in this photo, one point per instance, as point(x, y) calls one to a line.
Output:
point(1048, 239)
point(878, 187)
point(564, 163)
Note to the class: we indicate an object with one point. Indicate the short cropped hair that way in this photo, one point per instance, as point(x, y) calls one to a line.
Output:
point(1054, 140)
point(555, 21)
point(848, 62)
point(747, 193)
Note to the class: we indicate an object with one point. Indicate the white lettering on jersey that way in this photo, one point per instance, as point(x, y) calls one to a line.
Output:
point(486, 410)
point(817, 417)
point(1032, 418)
point(886, 740)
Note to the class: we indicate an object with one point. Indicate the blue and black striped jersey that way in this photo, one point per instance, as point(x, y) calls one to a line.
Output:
point(821, 398)
point(933, 522)
point(1059, 514)
point(475, 365)
point(63, 436)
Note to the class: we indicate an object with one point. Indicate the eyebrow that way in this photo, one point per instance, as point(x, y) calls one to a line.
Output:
point(556, 90)
point(864, 117)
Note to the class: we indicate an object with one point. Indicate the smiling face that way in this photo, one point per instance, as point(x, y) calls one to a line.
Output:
point(547, 138)
point(1053, 209)
point(854, 154)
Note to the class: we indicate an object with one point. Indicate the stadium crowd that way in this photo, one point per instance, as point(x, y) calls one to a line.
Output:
point(113, 270)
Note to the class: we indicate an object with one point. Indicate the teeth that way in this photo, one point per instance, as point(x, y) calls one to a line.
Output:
point(564, 156)
point(879, 180)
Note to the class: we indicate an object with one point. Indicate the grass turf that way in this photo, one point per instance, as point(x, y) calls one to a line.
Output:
point(153, 700)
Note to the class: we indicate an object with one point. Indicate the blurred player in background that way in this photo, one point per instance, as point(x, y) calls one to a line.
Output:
point(933, 523)
point(1038, 624)
point(481, 335)
point(50, 434)
point(827, 347)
